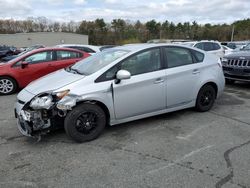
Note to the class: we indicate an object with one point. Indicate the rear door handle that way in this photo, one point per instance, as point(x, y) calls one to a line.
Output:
point(159, 80)
point(196, 71)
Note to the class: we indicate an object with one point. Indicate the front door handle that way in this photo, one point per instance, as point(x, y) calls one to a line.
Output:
point(196, 71)
point(159, 80)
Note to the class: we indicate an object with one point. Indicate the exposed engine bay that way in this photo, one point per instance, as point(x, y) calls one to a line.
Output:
point(45, 112)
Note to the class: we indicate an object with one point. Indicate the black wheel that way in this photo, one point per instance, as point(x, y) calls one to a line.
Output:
point(228, 81)
point(85, 122)
point(205, 98)
point(7, 85)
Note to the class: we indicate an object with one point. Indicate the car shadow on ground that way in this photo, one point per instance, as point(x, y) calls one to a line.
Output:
point(119, 130)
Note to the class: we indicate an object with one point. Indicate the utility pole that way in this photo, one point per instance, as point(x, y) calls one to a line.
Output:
point(232, 34)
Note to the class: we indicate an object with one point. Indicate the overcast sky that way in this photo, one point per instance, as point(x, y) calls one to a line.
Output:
point(202, 11)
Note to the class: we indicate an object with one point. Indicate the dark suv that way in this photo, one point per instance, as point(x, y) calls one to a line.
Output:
point(7, 51)
point(236, 66)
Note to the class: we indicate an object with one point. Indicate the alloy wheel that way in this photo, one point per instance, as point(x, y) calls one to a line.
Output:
point(86, 122)
point(6, 86)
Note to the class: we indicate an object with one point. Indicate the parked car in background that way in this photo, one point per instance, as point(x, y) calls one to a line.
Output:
point(106, 47)
point(227, 50)
point(8, 51)
point(91, 49)
point(236, 66)
point(118, 85)
point(8, 58)
point(20, 71)
point(212, 47)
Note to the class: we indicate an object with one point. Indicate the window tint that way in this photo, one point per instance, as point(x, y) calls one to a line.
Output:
point(198, 56)
point(61, 55)
point(199, 45)
point(144, 62)
point(147, 61)
point(40, 57)
point(178, 57)
point(216, 46)
point(208, 46)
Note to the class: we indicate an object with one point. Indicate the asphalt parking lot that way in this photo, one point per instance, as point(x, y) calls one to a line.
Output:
point(180, 149)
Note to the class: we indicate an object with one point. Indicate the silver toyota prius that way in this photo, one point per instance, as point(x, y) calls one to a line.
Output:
point(118, 85)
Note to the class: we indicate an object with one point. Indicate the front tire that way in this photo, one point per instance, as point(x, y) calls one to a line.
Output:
point(205, 98)
point(7, 85)
point(85, 122)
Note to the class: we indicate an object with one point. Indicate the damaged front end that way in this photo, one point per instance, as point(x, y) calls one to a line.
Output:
point(45, 112)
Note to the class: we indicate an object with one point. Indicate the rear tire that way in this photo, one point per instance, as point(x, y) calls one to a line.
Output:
point(7, 85)
point(205, 98)
point(85, 122)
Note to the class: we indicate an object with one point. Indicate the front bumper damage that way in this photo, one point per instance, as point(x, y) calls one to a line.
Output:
point(43, 113)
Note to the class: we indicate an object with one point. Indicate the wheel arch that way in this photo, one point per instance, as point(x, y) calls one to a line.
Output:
point(213, 84)
point(9, 76)
point(100, 104)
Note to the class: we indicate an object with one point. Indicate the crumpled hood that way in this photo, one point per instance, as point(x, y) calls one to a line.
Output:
point(53, 81)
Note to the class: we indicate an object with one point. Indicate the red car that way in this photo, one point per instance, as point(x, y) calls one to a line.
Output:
point(20, 71)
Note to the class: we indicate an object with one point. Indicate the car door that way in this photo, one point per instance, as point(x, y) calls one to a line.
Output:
point(65, 58)
point(38, 66)
point(144, 92)
point(182, 76)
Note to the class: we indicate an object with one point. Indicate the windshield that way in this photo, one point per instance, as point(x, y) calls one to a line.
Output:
point(94, 63)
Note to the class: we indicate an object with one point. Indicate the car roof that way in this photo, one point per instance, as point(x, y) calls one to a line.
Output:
point(80, 45)
point(54, 48)
point(142, 46)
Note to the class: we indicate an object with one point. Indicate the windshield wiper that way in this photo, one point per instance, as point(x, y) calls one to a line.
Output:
point(75, 71)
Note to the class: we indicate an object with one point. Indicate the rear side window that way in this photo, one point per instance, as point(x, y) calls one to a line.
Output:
point(61, 55)
point(178, 57)
point(198, 56)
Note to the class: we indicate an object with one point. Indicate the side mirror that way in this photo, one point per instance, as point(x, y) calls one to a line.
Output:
point(24, 64)
point(122, 75)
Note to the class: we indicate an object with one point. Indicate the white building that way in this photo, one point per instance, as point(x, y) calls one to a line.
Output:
point(43, 38)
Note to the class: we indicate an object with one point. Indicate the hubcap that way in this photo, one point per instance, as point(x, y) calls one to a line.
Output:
point(206, 98)
point(6, 86)
point(86, 122)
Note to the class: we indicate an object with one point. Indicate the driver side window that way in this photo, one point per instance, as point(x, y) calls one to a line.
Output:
point(143, 62)
point(40, 57)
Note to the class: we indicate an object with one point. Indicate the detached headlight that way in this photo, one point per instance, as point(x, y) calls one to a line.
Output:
point(44, 102)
